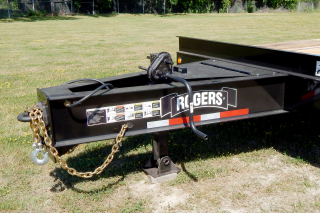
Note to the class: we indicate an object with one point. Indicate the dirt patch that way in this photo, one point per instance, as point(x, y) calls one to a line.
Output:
point(268, 183)
point(162, 197)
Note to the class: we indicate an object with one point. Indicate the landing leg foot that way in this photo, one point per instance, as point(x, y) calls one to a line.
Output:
point(159, 167)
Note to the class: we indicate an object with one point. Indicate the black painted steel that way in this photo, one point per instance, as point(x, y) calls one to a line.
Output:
point(69, 125)
point(302, 85)
point(270, 82)
point(24, 117)
point(198, 70)
point(225, 68)
point(159, 163)
point(179, 126)
point(295, 63)
point(160, 70)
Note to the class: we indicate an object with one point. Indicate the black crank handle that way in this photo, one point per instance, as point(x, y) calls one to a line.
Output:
point(24, 117)
point(143, 68)
point(190, 93)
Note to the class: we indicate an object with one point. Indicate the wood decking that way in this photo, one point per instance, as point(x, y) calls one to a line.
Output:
point(302, 46)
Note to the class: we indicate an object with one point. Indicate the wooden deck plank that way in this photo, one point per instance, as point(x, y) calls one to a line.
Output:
point(303, 46)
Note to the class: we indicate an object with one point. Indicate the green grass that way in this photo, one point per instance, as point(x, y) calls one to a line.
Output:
point(240, 160)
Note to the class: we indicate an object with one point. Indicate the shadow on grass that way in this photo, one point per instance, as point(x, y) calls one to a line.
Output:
point(124, 162)
point(189, 174)
point(295, 134)
point(171, 14)
point(108, 15)
point(38, 18)
point(142, 14)
point(24, 18)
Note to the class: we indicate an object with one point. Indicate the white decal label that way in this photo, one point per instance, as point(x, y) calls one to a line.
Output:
point(120, 113)
point(172, 104)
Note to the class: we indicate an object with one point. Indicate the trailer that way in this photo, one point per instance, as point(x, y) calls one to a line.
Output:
point(212, 82)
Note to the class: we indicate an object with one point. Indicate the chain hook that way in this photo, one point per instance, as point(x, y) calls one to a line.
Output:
point(37, 125)
point(34, 156)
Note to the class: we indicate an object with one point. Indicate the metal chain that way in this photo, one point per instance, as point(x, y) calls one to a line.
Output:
point(39, 129)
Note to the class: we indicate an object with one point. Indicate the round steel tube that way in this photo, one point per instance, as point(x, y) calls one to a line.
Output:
point(190, 93)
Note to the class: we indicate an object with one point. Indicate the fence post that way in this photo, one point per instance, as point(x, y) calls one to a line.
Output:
point(143, 6)
point(118, 6)
point(92, 7)
point(33, 5)
point(312, 6)
point(164, 6)
point(66, 6)
point(52, 7)
point(71, 7)
point(8, 5)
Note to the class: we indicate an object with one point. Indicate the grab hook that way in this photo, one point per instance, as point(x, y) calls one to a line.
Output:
point(34, 156)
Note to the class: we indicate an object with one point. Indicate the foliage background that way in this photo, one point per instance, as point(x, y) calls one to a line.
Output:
point(58, 7)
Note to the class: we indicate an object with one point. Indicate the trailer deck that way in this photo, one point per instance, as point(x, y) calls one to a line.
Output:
point(302, 46)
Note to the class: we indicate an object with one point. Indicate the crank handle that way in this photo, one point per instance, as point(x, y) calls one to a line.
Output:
point(190, 93)
point(143, 68)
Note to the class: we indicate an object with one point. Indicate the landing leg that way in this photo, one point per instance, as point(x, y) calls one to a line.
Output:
point(159, 167)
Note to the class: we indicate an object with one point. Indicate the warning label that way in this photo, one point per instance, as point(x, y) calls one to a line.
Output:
point(120, 113)
point(96, 116)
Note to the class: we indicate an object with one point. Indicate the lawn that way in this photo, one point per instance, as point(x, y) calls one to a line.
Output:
point(259, 165)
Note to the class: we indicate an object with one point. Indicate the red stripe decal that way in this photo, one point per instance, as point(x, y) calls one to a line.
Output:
point(308, 95)
point(196, 118)
point(183, 120)
point(234, 113)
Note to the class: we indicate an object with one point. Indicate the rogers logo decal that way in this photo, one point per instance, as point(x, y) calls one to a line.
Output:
point(174, 104)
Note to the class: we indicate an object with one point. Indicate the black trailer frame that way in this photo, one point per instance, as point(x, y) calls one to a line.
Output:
point(230, 82)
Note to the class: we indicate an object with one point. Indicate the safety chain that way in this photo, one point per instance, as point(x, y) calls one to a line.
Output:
point(39, 130)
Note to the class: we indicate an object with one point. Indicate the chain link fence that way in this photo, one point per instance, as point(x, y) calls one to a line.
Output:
point(31, 7)
point(243, 7)
point(302, 7)
point(237, 7)
point(15, 9)
point(308, 7)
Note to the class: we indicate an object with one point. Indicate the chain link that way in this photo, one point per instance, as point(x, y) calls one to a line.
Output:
point(39, 129)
